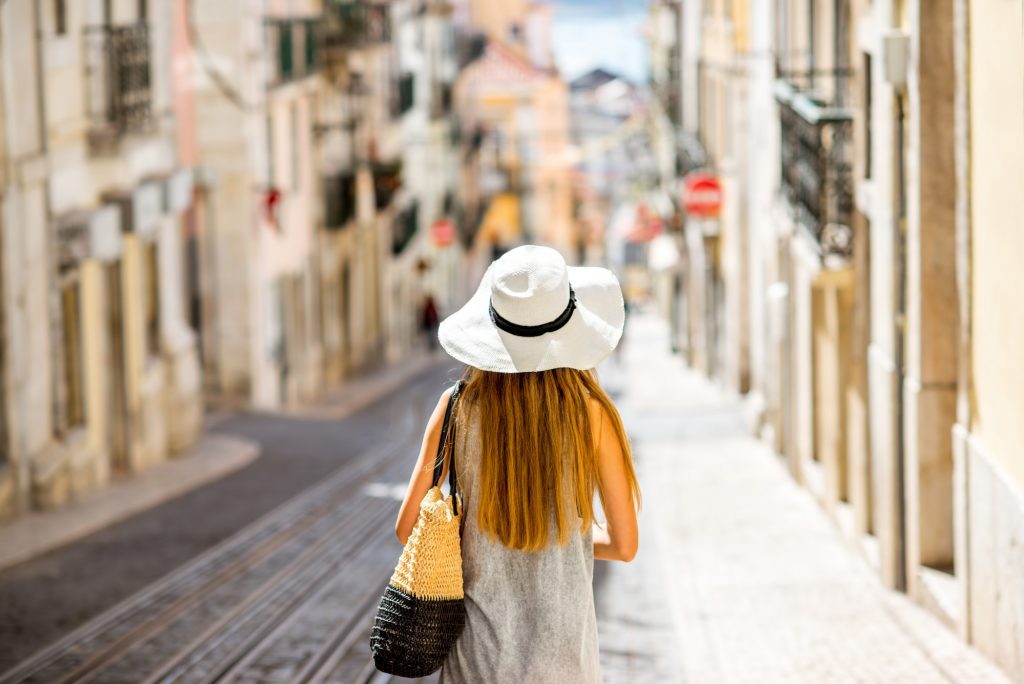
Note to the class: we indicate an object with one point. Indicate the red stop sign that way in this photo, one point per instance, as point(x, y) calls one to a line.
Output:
point(702, 195)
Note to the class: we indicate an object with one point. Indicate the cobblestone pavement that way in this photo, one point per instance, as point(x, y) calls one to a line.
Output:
point(758, 583)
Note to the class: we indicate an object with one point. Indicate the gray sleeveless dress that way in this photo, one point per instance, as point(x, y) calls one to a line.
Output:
point(529, 616)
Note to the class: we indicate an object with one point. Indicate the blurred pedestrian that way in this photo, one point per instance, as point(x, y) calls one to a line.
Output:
point(535, 437)
point(429, 319)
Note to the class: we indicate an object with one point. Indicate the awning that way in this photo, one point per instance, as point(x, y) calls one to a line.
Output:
point(501, 221)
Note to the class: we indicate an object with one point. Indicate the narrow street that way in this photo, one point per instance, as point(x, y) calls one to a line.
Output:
point(239, 240)
point(272, 574)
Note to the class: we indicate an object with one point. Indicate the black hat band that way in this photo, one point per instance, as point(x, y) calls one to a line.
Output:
point(534, 330)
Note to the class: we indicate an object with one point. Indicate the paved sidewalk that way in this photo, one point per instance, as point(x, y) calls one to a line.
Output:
point(757, 582)
point(213, 457)
point(359, 391)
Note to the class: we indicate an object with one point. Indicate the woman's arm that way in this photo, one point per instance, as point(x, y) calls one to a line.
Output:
point(618, 538)
point(422, 474)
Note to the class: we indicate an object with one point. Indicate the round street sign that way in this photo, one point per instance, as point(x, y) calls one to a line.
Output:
point(702, 195)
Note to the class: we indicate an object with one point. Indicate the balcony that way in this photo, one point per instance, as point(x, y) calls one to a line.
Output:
point(294, 47)
point(339, 200)
point(351, 24)
point(816, 170)
point(118, 81)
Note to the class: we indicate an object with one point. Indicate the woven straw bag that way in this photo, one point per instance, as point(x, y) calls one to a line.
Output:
point(422, 612)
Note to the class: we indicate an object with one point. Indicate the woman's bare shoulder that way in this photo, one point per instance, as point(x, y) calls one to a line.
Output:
point(598, 412)
point(442, 403)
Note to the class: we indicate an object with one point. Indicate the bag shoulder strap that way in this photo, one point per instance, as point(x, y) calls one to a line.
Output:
point(448, 437)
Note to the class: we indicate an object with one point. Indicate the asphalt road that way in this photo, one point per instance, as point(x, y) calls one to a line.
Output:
point(48, 596)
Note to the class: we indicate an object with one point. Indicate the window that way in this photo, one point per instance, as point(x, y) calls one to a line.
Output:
point(74, 383)
point(143, 10)
point(340, 197)
point(404, 228)
point(282, 31)
point(310, 38)
point(441, 99)
point(387, 180)
point(151, 301)
point(60, 17)
point(406, 92)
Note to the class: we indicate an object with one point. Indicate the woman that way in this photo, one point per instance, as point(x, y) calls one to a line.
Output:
point(536, 436)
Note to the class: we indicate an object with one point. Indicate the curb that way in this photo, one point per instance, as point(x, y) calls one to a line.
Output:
point(359, 392)
point(212, 457)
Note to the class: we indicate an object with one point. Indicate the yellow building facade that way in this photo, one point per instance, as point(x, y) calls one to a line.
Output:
point(989, 483)
point(864, 274)
point(514, 115)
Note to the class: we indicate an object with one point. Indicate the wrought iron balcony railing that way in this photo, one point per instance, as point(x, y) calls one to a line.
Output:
point(816, 170)
point(118, 80)
point(351, 24)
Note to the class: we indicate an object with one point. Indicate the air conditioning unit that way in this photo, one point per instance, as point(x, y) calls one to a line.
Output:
point(895, 57)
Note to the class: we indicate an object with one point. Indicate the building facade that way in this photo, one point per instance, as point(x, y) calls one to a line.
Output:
point(614, 166)
point(988, 468)
point(255, 94)
point(862, 265)
point(387, 127)
point(100, 367)
point(244, 201)
point(513, 109)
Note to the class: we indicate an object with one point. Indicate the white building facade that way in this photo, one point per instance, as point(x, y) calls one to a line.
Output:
point(100, 367)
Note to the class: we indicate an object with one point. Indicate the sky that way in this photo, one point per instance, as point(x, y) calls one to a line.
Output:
point(606, 33)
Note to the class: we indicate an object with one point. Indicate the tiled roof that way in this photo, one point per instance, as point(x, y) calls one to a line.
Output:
point(594, 78)
point(501, 63)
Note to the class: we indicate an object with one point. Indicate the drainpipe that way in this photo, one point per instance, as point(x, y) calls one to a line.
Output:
point(900, 340)
point(56, 331)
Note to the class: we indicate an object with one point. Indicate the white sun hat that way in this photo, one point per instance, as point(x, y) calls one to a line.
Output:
point(531, 312)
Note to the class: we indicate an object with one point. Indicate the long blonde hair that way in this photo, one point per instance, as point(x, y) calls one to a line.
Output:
point(537, 437)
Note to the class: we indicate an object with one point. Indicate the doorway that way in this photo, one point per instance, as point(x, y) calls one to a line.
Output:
point(119, 425)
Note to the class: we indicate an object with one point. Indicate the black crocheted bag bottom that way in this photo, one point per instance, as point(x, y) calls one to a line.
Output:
point(411, 636)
